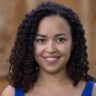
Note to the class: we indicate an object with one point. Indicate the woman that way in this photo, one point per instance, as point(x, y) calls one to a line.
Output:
point(49, 56)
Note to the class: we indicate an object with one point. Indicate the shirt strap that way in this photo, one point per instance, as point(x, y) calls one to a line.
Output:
point(88, 88)
point(18, 92)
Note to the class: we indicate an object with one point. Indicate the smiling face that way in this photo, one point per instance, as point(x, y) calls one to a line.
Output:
point(53, 44)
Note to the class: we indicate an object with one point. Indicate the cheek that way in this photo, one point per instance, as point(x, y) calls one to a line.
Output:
point(65, 48)
point(65, 52)
point(38, 50)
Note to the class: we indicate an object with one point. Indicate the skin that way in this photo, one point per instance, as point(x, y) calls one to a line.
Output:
point(53, 45)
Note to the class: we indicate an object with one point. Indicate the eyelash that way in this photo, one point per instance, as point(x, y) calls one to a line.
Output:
point(40, 41)
point(62, 40)
point(58, 40)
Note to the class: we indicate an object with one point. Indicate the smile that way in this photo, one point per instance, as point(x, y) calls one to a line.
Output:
point(51, 60)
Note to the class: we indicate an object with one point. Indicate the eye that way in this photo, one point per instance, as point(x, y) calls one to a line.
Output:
point(41, 41)
point(60, 40)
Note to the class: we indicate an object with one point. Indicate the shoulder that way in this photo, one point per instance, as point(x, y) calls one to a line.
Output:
point(8, 91)
point(94, 89)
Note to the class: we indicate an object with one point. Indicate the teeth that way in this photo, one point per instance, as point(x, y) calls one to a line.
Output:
point(51, 59)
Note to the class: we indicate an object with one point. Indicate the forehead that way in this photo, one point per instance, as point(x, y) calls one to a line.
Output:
point(53, 25)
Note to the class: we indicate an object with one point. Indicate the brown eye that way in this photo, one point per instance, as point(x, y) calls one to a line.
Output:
point(41, 41)
point(60, 40)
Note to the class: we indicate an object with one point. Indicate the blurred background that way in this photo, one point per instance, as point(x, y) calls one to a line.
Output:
point(13, 11)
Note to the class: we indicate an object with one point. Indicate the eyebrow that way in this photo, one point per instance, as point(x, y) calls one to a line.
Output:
point(62, 34)
point(40, 35)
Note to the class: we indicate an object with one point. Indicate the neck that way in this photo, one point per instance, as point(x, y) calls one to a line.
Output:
point(52, 79)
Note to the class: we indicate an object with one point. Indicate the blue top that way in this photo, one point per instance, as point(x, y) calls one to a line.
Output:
point(88, 89)
point(86, 92)
point(19, 92)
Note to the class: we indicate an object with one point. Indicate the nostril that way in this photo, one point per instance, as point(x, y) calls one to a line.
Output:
point(51, 49)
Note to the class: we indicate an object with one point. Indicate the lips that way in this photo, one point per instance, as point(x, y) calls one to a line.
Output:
point(51, 60)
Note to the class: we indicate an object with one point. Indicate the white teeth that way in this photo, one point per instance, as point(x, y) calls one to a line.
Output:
point(51, 59)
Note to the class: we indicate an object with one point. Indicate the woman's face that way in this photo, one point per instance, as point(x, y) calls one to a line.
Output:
point(53, 44)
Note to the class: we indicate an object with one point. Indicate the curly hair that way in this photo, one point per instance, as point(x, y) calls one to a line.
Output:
point(23, 71)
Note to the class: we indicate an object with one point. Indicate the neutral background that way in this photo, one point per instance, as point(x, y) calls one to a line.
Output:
point(13, 11)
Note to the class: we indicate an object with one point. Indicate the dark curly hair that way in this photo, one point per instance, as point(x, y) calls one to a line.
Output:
point(23, 70)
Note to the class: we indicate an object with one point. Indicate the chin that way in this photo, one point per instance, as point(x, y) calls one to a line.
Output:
point(52, 70)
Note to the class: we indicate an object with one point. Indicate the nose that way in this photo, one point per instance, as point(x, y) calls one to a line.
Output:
point(51, 47)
